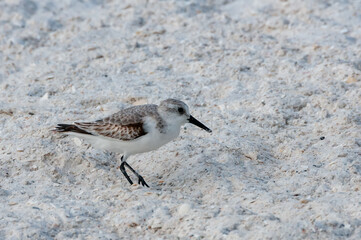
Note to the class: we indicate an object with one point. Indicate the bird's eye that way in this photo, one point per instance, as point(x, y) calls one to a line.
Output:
point(181, 110)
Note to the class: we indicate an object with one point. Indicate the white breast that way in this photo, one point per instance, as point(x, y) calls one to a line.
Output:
point(155, 138)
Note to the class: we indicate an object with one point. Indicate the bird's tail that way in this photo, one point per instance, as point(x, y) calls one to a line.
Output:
point(63, 128)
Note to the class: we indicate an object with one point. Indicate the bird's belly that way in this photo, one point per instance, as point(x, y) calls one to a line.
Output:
point(146, 143)
point(151, 141)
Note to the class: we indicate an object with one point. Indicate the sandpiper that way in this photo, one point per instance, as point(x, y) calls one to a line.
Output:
point(135, 130)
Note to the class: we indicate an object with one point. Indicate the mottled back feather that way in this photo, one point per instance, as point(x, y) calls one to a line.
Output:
point(125, 125)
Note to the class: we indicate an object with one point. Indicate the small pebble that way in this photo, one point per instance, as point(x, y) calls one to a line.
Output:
point(184, 209)
point(34, 168)
point(343, 155)
point(351, 80)
point(77, 142)
point(45, 97)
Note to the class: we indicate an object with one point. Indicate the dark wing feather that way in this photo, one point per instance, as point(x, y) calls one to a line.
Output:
point(125, 132)
point(69, 128)
point(125, 125)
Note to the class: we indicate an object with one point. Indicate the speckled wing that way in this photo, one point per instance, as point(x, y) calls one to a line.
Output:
point(124, 125)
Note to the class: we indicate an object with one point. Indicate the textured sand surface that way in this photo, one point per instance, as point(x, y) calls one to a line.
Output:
point(271, 78)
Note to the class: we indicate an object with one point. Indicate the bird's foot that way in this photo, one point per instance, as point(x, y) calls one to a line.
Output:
point(141, 181)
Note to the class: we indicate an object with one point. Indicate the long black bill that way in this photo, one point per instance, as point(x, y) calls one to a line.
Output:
point(194, 121)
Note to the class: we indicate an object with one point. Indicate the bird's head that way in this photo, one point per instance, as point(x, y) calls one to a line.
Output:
point(178, 112)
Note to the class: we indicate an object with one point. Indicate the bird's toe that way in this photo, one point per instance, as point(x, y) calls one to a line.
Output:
point(142, 181)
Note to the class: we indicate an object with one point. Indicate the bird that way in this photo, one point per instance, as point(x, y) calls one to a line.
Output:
point(134, 130)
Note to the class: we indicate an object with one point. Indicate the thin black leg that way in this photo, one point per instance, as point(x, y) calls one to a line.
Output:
point(122, 168)
point(140, 178)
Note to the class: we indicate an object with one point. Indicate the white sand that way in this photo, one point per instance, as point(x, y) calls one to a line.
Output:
point(269, 77)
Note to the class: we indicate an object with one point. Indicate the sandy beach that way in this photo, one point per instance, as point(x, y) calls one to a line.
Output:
point(278, 82)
